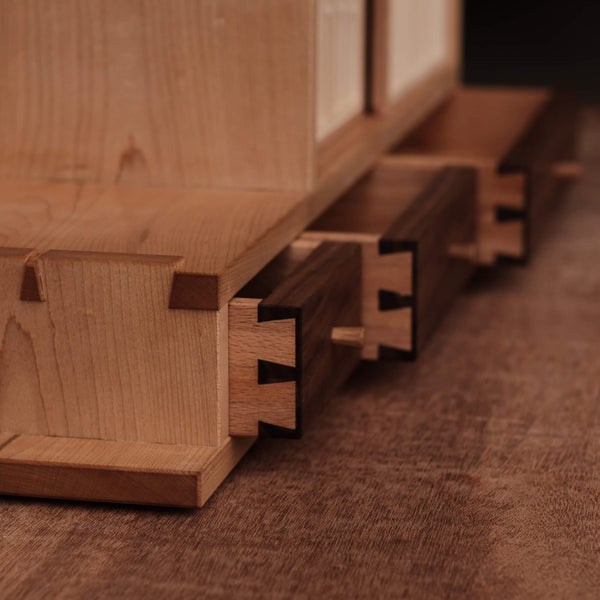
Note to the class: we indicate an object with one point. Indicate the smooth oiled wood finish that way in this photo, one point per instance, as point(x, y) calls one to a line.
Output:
point(472, 474)
point(441, 218)
point(341, 68)
point(100, 355)
point(408, 221)
point(513, 138)
point(318, 291)
point(211, 93)
point(198, 93)
point(223, 238)
point(252, 345)
point(124, 472)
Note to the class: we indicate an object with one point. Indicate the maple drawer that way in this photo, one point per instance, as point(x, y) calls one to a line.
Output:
point(294, 335)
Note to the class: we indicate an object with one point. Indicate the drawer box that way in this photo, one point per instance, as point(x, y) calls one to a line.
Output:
point(294, 335)
point(522, 144)
point(414, 226)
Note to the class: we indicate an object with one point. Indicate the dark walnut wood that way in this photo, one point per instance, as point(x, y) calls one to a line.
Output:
point(417, 212)
point(441, 217)
point(320, 289)
point(550, 139)
point(519, 140)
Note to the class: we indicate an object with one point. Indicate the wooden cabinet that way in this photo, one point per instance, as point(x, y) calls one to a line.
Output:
point(211, 210)
point(210, 93)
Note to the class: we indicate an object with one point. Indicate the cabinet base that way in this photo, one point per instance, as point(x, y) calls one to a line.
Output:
point(109, 471)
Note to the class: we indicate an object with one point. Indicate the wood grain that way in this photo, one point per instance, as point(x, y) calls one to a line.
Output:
point(225, 237)
point(549, 140)
point(406, 220)
point(250, 341)
point(210, 93)
point(340, 57)
point(132, 473)
point(478, 124)
point(318, 292)
point(362, 215)
point(103, 357)
point(491, 129)
point(472, 473)
point(442, 215)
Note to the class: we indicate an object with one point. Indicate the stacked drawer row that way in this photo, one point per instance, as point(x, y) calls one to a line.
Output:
point(371, 278)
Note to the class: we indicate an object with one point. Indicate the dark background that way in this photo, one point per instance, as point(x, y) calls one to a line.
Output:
point(530, 42)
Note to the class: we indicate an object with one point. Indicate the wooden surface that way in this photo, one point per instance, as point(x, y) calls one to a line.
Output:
point(250, 341)
point(443, 216)
point(543, 154)
point(221, 94)
point(318, 291)
point(102, 356)
point(471, 473)
point(479, 124)
point(210, 93)
point(123, 472)
point(406, 220)
point(225, 237)
point(341, 63)
point(489, 129)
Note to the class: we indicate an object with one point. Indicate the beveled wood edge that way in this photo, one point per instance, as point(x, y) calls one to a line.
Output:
point(192, 486)
point(341, 161)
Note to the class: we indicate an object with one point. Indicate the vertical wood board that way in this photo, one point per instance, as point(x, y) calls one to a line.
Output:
point(211, 93)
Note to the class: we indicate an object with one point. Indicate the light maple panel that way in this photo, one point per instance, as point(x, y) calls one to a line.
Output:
point(341, 50)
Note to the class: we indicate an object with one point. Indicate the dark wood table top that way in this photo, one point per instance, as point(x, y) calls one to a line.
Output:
point(474, 472)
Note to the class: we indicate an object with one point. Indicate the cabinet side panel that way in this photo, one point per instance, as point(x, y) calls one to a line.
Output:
point(212, 93)
point(103, 357)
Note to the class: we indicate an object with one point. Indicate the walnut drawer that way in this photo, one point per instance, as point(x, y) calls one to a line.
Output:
point(288, 337)
point(415, 227)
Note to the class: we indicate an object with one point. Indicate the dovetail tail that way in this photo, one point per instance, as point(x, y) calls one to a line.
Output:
point(32, 288)
point(192, 291)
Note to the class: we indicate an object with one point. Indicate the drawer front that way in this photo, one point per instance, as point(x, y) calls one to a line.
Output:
point(289, 350)
point(417, 228)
